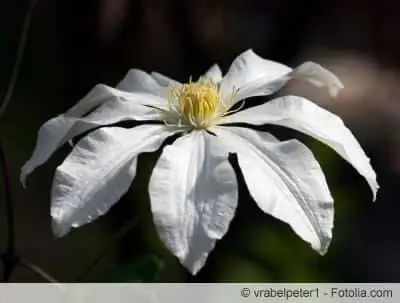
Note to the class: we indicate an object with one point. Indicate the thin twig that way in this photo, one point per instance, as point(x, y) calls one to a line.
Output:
point(35, 268)
point(115, 239)
point(20, 53)
point(8, 257)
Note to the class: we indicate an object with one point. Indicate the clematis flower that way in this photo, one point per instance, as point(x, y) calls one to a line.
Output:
point(193, 188)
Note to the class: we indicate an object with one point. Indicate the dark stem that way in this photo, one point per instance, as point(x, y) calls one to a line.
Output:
point(115, 239)
point(45, 275)
point(8, 257)
point(20, 53)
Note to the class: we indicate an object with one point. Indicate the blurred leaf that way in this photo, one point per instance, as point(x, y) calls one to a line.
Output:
point(144, 269)
point(235, 269)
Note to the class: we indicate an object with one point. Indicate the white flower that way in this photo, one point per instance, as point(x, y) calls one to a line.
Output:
point(193, 188)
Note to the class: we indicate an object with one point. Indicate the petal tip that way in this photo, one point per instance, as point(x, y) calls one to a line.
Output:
point(248, 52)
point(375, 193)
point(58, 230)
point(323, 246)
point(335, 88)
point(24, 186)
point(319, 76)
point(22, 179)
point(58, 222)
point(374, 186)
point(23, 176)
point(193, 268)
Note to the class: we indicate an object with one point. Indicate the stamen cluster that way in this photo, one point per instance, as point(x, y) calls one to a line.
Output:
point(198, 104)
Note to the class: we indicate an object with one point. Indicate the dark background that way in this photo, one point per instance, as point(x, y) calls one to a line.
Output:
point(75, 44)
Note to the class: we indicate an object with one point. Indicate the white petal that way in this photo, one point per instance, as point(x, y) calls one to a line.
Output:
point(193, 193)
point(254, 76)
point(115, 107)
point(318, 76)
point(286, 181)
point(102, 94)
point(137, 80)
point(249, 68)
point(97, 96)
point(305, 116)
point(214, 73)
point(98, 172)
point(165, 81)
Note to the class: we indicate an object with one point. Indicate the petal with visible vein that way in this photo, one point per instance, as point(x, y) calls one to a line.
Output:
point(254, 76)
point(115, 108)
point(248, 69)
point(286, 182)
point(305, 116)
point(137, 80)
point(193, 193)
point(98, 172)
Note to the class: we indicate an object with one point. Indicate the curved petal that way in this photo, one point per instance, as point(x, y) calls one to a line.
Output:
point(305, 116)
point(115, 107)
point(318, 76)
point(98, 172)
point(164, 80)
point(101, 94)
point(286, 182)
point(137, 80)
point(193, 193)
point(214, 73)
point(254, 76)
point(249, 68)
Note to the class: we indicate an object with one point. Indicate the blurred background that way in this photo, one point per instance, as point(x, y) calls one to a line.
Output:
point(76, 44)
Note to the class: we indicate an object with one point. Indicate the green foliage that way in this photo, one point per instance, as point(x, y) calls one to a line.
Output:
point(144, 269)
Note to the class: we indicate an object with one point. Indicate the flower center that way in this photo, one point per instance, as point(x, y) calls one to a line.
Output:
point(198, 104)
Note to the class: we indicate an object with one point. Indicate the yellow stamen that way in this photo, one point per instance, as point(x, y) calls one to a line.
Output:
point(200, 103)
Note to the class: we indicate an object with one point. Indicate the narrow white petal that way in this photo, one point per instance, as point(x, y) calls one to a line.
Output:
point(286, 182)
point(114, 108)
point(318, 76)
point(98, 172)
point(193, 193)
point(137, 80)
point(214, 73)
point(97, 96)
point(305, 116)
point(249, 68)
point(254, 76)
point(164, 80)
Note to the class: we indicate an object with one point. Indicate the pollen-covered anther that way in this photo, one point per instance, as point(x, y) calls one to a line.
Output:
point(197, 103)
